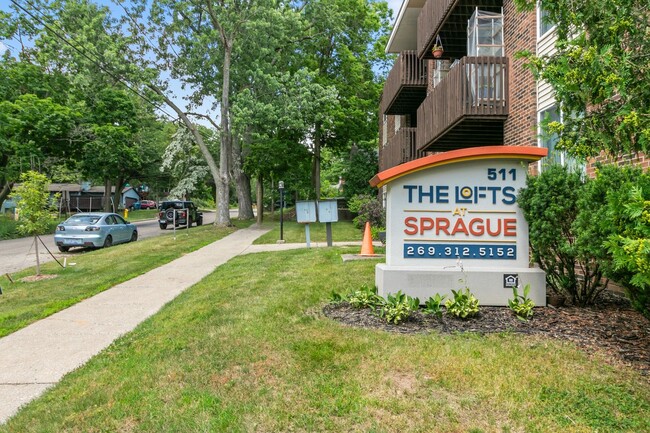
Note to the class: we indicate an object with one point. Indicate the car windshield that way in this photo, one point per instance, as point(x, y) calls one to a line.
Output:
point(82, 220)
point(174, 204)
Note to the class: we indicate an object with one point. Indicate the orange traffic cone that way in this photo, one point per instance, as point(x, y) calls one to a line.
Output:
point(366, 246)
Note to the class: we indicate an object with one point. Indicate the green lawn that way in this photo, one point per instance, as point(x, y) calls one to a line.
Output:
point(142, 214)
point(248, 350)
point(25, 302)
point(294, 232)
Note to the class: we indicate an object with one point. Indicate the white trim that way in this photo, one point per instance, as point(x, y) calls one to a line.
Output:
point(396, 24)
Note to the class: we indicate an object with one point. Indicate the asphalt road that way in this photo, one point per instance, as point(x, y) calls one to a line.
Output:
point(18, 254)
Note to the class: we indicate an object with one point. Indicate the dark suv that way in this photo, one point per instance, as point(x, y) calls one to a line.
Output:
point(180, 213)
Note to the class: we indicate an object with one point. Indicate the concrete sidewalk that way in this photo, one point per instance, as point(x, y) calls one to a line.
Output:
point(38, 356)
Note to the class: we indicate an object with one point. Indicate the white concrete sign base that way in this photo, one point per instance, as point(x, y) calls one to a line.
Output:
point(486, 284)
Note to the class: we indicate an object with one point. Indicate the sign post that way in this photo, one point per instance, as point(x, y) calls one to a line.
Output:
point(328, 213)
point(452, 220)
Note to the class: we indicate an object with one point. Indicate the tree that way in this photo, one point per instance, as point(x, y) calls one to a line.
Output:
point(346, 43)
point(600, 74)
point(35, 119)
point(183, 162)
point(34, 207)
point(31, 129)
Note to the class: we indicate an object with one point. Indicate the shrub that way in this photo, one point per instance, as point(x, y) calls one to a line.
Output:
point(551, 203)
point(630, 246)
point(398, 307)
point(367, 208)
point(522, 305)
point(433, 305)
point(365, 297)
point(463, 305)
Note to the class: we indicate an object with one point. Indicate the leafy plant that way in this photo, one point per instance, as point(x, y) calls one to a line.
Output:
point(433, 305)
point(365, 297)
point(630, 247)
point(463, 305)
point(557, 206)
point(398, 307)
point(337, 298)
point(367, 208)
point(522, 305)
point(36, 208)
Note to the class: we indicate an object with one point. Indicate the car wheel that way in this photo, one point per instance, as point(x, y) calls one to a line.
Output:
point(189, 222)
point(64, 249)
point(170, 214)
point(134, 236)
point(108, 241)
point(163, 226)
point(199, 222)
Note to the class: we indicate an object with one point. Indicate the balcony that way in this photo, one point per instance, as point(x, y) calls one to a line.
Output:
point(467, 108)
point(448, 19)
point(400, 149)
point(406, 85)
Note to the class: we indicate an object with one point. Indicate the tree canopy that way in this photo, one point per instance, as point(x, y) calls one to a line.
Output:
point(600, 74)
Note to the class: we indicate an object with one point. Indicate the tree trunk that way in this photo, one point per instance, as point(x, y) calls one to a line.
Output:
point(106, 206)
point(118, 194)
point(209, 159)
point(260, 199)
point(315, 169)
point(242, 182)
point(5, 191)
point(38, 257)
point(223, 180)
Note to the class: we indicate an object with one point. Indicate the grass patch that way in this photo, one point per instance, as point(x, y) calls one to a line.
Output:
point(141, 214)
point(247, 349)
point(9, 228)
point(95, 271)
point(295, 232)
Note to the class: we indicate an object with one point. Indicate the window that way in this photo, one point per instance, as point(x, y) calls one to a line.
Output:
point(544, 24)
point(549, 141)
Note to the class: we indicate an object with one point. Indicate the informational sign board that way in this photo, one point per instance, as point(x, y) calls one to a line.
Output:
point(306, 211)
point(457, 212)
point(463, 211)
point(328, 211)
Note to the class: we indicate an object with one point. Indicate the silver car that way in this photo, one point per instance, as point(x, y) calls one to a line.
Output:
point(94, 229)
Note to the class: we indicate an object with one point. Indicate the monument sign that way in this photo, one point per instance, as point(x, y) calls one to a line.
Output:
point(452, 221)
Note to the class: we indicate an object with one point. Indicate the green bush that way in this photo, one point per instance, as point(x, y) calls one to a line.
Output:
point(433, 305)
point(398, 307)
point(522, 305)
point(551, 203)
point(463, 305)
point(365, 297)
point(630, 246)
point(367, 208)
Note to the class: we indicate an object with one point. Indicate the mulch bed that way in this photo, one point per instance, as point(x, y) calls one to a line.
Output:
point(610, 327)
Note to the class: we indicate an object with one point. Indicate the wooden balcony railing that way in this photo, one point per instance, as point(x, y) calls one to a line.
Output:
point(430, 20)
point(406, 85)
point(476, 88)
point(399, 149)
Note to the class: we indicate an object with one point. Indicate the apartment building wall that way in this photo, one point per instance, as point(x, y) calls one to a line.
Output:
point(519, 33)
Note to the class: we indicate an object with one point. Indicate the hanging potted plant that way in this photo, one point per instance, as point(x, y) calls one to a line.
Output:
point(437, 49)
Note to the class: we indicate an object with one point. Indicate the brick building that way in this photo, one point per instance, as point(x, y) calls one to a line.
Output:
point(477, 93)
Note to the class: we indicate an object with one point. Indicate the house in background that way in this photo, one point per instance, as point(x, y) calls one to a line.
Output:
point(84, 197)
